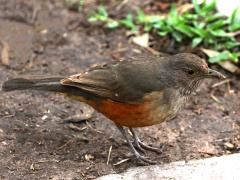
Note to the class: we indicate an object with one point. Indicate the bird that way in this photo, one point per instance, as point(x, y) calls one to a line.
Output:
point(133, 93)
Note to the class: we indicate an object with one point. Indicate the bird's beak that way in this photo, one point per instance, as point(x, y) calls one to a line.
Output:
point(215, 74)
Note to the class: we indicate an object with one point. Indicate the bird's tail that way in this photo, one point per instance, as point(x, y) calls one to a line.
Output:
point(44, 83)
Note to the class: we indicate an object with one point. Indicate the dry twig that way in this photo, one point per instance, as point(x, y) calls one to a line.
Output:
point(109, 154)
point(5, 53)
point(120, 162)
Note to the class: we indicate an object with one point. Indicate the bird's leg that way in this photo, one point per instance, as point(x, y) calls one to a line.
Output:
point(135, 152)
point(140, 145)
point(136, 141)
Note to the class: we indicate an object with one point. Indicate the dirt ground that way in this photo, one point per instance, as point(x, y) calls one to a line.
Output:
point(47, 39)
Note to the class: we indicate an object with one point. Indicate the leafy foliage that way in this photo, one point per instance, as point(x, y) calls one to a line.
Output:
point(202, 26)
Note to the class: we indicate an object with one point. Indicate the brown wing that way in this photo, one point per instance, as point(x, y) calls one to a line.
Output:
point(102, 81)
point(123, 81)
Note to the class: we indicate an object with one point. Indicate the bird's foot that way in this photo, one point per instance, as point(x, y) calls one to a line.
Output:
point(139, 147)
point(144, 159)
point(136, 151)
point(142, 147)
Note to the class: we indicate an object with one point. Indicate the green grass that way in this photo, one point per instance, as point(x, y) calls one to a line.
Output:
point(202, 27)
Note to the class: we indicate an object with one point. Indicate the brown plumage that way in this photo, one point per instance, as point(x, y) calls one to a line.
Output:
point(131, 93)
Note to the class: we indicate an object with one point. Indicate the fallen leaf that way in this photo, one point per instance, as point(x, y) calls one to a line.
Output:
point(209, 52)
point(227, 65)
point(163, 6)
point(232, 34)
point(229, 145)
point(184, 8)
point(142, 40)
point(5, 53)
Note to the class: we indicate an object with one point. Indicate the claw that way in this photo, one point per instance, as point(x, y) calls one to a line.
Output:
point(145, 159)
point(150, 148)
point(140, 145)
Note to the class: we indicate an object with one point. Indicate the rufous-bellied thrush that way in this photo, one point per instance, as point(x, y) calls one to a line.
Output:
point(132, 93)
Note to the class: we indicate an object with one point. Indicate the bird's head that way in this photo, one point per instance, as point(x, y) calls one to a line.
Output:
point(186, 71)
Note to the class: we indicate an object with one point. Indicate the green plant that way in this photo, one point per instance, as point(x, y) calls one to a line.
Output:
point(81, 3)
point(202, 26)
point(102, 15)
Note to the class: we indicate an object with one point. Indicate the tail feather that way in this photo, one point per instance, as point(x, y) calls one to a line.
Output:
point(47, 84)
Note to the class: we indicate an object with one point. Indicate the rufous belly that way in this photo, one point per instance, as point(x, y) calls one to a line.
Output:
point(146, 113)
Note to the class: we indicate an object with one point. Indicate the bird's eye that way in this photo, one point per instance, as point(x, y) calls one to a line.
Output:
point(190, 72)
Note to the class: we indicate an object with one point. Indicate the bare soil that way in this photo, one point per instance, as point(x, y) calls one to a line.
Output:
point(45, 38)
